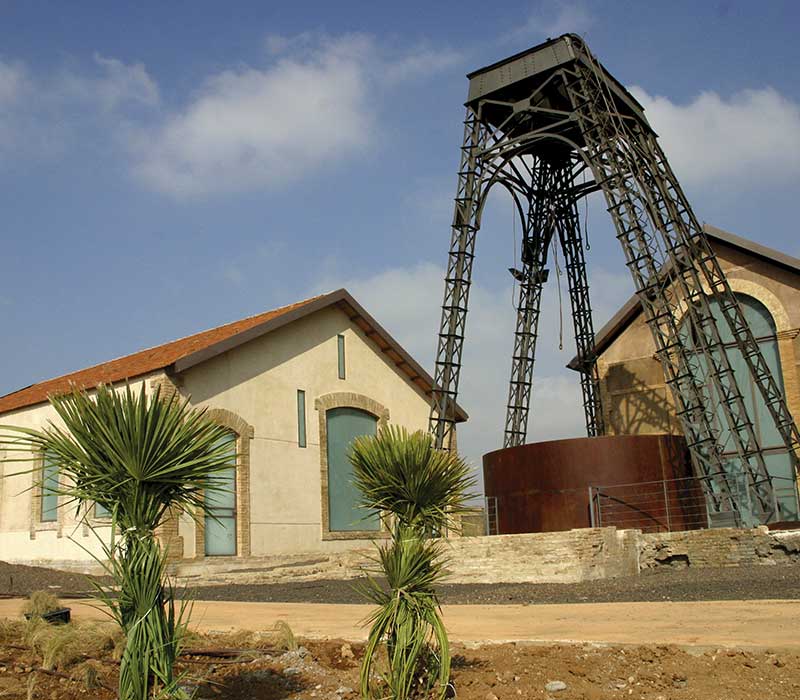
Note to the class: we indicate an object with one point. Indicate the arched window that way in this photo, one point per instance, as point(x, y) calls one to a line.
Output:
point(344, 424)
point(776, 457)
point(220, 520)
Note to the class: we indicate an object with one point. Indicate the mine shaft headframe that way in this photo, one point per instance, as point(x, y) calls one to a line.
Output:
point(557, 96)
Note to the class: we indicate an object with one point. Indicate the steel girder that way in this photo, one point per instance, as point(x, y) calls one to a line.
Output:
point(457, 283)
point(552, 211)
point(536, 237)
point(569, 235)
point(509, 133)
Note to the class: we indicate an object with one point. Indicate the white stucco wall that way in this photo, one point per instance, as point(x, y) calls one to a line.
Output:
point(257, 381)
point(67, 543)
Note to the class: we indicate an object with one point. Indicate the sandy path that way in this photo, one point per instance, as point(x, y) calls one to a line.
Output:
point(742, 624)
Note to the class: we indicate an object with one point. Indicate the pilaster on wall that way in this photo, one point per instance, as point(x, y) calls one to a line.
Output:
point(788, 358)
point(791, 380)
point(167, 532)
point(167, 384)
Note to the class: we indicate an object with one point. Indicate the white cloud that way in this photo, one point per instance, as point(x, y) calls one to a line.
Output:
point(233, 273)
point(752, 136)
point(420, 61)
point(553, 19)
point(40, 114)
point(262, 128)
point(120, 83)
point(314, 104)
point(406, 301)
point(12, 82)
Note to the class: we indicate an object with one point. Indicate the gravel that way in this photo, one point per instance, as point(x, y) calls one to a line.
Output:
point(669, 583)
point(666, 583)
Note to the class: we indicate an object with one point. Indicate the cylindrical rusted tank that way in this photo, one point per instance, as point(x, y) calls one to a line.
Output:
point(544, 486)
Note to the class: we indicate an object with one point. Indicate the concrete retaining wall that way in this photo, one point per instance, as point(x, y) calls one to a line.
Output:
point(551, 557)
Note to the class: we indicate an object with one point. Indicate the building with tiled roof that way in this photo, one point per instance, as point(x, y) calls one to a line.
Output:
point(293, 385)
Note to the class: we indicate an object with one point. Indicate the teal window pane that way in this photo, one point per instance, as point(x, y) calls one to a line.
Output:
point(777, 460)
point(220, 536)
point(220, 521)
point(101, 512)
point(301, 418)
point(224, 493)
point(342, 368)
point(344, 425)
point(49, 489)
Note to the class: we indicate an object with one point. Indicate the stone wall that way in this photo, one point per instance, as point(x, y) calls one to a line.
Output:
point(574, 555)
point(719, 547)
point(546, 557)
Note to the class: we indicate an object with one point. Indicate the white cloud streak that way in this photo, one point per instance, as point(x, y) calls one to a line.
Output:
point(552, 19)
point(12, 82)
point(753, 136)
point(114, 85)
point(40, 114)
point(261, 128)
point(314, 104)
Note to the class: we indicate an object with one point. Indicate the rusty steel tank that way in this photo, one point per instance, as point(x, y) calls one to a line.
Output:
point(645, 482)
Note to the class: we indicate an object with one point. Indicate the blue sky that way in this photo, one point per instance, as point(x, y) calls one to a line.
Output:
point(167, 167)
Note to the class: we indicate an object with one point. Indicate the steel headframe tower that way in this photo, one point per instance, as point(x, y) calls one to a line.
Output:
point(538, 123)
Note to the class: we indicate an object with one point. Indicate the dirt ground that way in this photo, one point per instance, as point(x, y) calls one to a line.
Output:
point(328, 670)
point(667, 583)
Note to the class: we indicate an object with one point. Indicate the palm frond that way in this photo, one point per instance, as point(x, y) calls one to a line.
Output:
point(421, 488)
point(139, 456)
point(404, 474)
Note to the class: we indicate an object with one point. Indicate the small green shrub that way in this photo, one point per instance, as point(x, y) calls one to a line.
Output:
point(417, 489)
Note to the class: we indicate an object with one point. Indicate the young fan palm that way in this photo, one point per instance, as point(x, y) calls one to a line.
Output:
point(139, 457)
point(417, 490)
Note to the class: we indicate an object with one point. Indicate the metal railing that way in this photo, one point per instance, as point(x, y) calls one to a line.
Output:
point(490, 510)
point(682, 504)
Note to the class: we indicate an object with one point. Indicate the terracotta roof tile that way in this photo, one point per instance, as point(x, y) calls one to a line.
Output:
point(139, 363)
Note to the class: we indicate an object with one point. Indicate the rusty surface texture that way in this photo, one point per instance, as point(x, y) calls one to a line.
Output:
point(544, 486)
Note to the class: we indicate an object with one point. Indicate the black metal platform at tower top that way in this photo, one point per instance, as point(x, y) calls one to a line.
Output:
point(551, 125)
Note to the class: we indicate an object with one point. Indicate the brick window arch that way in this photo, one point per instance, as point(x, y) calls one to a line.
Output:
point(324, 404)
point(243, 433)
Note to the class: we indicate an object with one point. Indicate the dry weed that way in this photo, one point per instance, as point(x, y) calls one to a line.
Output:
point(283, 636)
point(11, 631)
point(31, 686)
point(40, 603)
point(87, 674)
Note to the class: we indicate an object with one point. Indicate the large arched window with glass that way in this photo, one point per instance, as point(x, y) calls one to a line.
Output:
point(344, 425)
point(776, 456)
point(220, 519)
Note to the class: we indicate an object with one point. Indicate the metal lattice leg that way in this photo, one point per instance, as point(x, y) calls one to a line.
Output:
point(457, 285)
point(668, 285)
point(569, 235)
point(538, 232)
